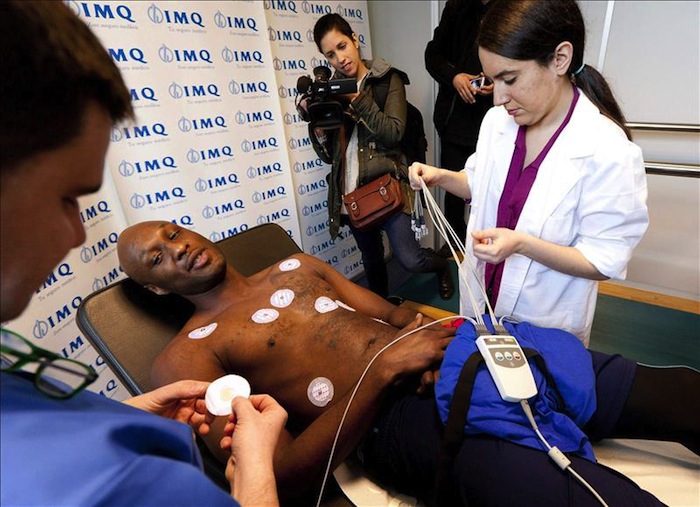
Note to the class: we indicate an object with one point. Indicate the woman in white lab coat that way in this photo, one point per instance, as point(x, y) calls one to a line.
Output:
point(557, 189)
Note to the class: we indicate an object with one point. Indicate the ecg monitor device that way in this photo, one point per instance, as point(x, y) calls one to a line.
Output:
point(508, 366)
point(223, 390)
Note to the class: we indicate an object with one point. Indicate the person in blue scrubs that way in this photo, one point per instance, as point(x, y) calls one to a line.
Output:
point(60, 94)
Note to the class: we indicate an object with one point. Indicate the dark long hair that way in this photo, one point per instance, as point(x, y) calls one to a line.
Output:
point(329, 22)
point(532, 29)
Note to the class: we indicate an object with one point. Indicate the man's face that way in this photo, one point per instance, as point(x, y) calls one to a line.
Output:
point(167, 258)
point(39, 213)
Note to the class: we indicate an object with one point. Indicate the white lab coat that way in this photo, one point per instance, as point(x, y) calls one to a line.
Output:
point(590, 193)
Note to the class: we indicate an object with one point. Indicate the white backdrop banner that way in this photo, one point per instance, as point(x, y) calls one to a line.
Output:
point(217, 145)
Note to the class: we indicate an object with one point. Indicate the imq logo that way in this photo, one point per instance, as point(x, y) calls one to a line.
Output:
point(216, 183)
point(314, 209)
point(175, 194)
point(347, 252)
point(169, 55)
point(64, 270)
point(241, 56)
point(292, 119)
point(100, 282)
point(351, 268)
point(222, 20)
point(128, 169)
point(349, 13)
point(227, 233)
point(316, 8)
point(94, 211)
point(73, 347)
point(281, 5)
point(184, 220)
point(194, 124)
point(43, 326)
point(287, 92)
point(264, 170)
point(312, 188)
point(178, 91)
point(248, 88)
point(126, 55)
point(269, 194)
point(138, 132)
point(102, 245)
point(254, 117)
point(320, 62)
point(209, 212)
point(289, 64)
point(309, 165)
point(144, 93)
point(160, 16)
point(195, 156)
point(321, 247)
point(313, 230)
point(95, 10)
point(295, 143)
point(284, 35)
point(259, 144)
point(275, 216)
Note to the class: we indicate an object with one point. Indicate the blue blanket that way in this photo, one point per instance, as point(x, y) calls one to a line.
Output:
point(568, 363)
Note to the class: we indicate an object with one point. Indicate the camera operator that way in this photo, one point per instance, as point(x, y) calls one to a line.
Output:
point(371, 149)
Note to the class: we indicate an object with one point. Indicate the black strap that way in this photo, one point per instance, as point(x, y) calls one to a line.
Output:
point(456, 419)
point(454, 428)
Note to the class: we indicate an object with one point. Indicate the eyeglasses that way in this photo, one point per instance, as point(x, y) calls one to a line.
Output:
point(55, 376)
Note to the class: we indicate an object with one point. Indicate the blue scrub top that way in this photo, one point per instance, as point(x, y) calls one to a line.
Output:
point(90, 450)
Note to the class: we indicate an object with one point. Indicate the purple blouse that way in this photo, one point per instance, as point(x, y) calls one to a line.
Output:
point(518, 184)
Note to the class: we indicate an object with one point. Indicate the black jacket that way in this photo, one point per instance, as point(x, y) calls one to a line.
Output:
point(454, 50)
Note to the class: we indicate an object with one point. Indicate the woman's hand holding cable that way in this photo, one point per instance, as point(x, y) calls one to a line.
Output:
point(454, 182)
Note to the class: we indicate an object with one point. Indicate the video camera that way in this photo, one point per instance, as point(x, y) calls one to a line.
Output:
point(321, 110)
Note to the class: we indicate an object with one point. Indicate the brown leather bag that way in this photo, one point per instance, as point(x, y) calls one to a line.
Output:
point(372, 204)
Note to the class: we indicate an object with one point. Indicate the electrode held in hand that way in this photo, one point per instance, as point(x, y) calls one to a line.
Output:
point(223, 390)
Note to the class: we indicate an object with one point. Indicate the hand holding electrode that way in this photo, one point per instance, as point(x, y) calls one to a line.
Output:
point(181, 401)
point(251, 436)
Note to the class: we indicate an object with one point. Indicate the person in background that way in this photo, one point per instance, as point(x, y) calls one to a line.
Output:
point(373, 134)
point(452, 59)
point(558, 190)
point(60, 94)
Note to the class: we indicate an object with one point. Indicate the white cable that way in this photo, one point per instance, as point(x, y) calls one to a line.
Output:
point(443, 226)
point(556, 455)
point(357, 386)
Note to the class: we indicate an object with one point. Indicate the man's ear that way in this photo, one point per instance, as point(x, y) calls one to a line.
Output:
point(156, 290)
point(563, 54)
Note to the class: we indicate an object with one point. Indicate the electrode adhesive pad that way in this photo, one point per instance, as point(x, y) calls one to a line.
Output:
point(223, 390)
